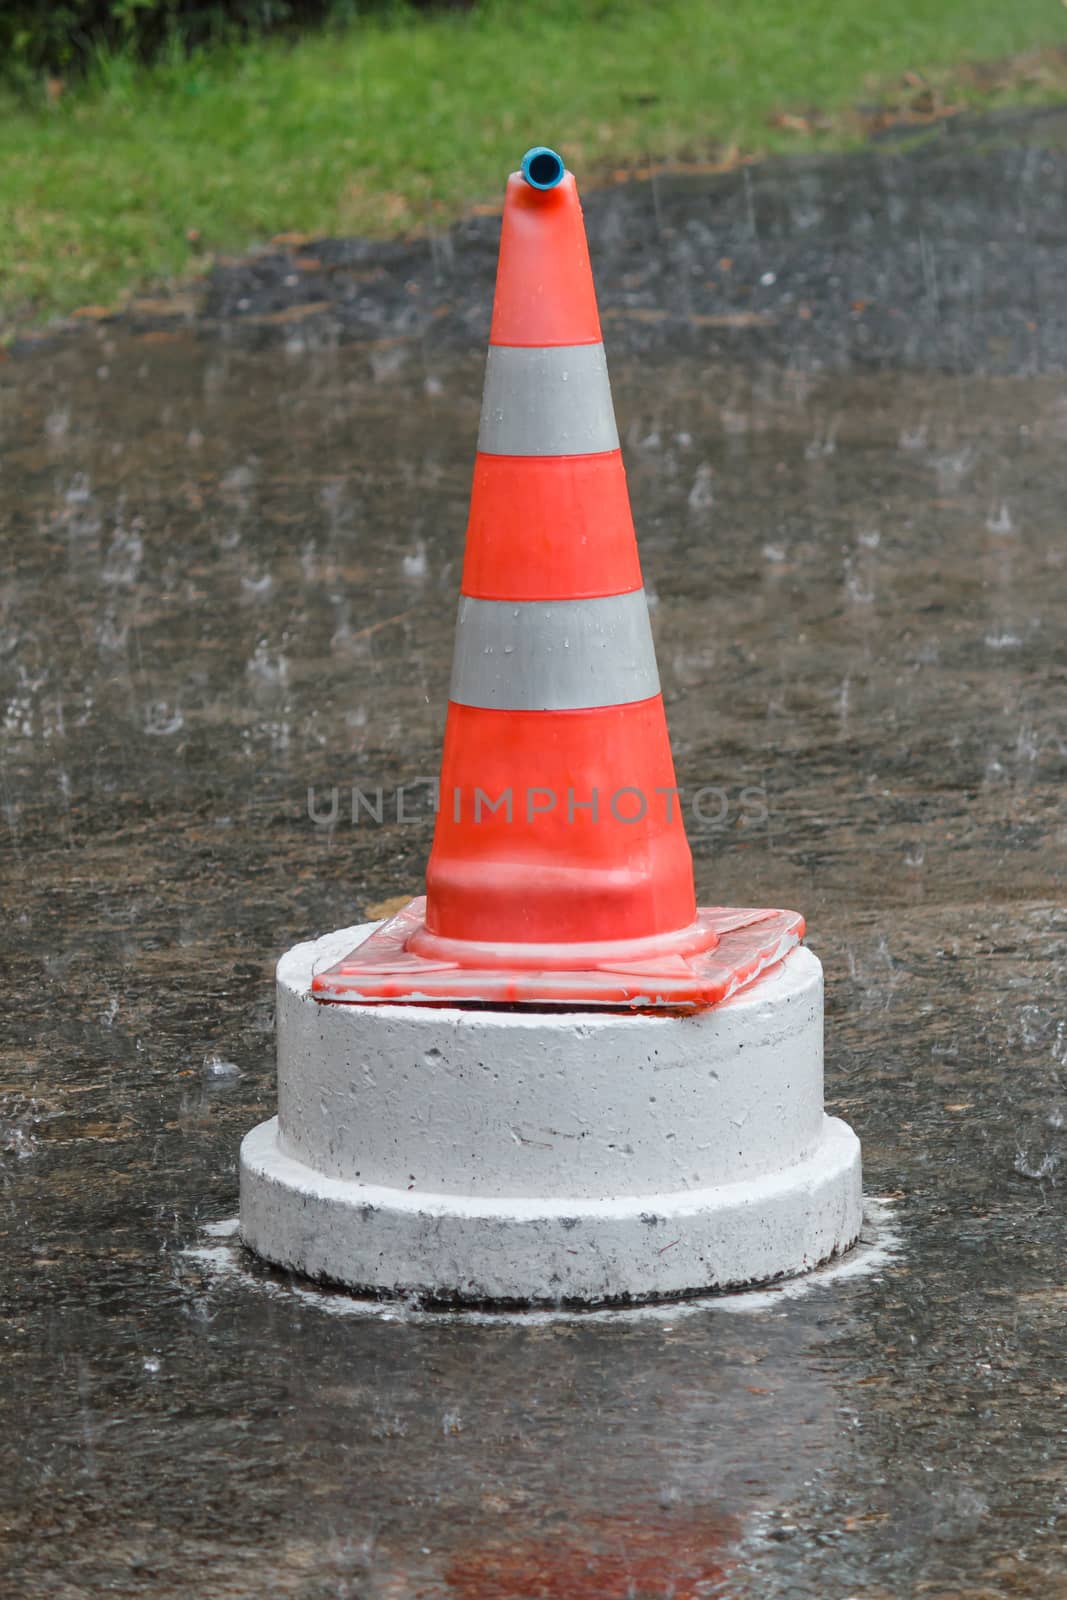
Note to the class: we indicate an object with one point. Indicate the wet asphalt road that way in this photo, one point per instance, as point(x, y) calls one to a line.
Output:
point(232, 532)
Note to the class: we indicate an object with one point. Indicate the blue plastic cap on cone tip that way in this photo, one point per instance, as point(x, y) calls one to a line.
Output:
point(542, 168)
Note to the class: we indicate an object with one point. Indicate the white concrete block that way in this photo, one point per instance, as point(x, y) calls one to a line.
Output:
point(483, 1155)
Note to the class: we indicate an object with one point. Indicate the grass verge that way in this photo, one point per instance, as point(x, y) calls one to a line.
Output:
point(399, 122)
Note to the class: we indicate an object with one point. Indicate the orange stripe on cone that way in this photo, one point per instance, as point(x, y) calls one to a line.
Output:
point(544, 282)
point(555, 873)
point(550, 528)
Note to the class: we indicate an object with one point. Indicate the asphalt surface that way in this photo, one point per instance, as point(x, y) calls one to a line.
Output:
point(232, 537)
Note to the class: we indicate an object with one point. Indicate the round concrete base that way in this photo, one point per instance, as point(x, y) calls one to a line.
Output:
point(544, 1157)
point(455, 1248)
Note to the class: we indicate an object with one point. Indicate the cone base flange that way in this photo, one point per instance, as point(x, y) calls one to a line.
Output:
point(725, 949)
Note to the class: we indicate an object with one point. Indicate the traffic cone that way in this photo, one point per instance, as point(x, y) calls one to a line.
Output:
point(560, 869)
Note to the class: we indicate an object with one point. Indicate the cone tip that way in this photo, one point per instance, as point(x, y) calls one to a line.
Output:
point(543, 168)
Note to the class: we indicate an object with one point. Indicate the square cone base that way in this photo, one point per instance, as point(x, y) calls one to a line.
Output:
point(743, 943)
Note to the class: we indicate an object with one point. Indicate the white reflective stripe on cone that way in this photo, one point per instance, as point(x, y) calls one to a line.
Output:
point(547, 401)
point(553, 655)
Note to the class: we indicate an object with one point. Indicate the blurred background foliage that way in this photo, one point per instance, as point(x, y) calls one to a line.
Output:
point(39, 37)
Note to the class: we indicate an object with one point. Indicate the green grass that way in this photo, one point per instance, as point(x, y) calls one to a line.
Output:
point(397, 123)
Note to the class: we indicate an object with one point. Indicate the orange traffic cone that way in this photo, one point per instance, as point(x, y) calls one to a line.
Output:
point(560, 870)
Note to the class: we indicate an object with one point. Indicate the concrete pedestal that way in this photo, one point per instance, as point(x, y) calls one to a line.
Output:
point(538, 1157)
